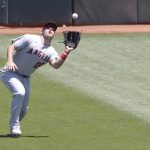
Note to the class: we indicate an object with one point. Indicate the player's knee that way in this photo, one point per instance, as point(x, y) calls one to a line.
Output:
point(20, 93)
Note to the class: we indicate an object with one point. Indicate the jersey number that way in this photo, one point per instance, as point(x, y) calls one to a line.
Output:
point(38, 64)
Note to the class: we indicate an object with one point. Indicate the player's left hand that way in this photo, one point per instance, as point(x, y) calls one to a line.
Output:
point(71, 38)
point(68, 49)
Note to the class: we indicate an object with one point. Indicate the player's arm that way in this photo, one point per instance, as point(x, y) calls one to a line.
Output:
point(10, 65)
point(57, 62)
point(17, 43)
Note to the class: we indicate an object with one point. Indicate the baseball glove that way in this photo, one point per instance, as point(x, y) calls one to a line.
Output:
point(72, 38)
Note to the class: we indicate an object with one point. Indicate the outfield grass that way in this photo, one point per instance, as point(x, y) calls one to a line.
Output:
point(110, 67)
point(80, 106)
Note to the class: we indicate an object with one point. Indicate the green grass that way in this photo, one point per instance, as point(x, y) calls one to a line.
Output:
point(110, 67)
point(65, 115)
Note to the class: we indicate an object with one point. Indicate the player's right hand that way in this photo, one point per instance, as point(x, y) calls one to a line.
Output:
point(11, 66)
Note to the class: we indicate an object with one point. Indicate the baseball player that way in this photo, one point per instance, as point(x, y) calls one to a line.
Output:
point(24, 56)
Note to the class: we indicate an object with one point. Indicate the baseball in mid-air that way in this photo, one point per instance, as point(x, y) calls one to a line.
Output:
point(74, 16)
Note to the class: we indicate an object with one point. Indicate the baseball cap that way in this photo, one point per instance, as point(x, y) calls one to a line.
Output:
point(51, 25)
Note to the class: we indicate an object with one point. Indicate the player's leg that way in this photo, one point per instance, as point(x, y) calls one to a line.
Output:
point(14, 83)
point(25, 103)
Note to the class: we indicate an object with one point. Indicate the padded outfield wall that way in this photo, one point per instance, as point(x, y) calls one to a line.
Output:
point(106, 11)
point(91, 12)
point(35, 12)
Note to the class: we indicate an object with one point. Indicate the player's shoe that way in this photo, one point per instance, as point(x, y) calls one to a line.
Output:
point(15, 132)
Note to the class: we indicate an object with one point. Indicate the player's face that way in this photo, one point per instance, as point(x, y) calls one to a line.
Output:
point(48, 33)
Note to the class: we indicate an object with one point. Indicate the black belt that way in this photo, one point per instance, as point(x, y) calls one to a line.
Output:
point(23, 75)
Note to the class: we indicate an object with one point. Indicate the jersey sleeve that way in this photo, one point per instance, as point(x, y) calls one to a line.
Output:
point(21, 42)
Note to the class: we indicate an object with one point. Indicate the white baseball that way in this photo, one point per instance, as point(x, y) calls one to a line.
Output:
point(74, 16)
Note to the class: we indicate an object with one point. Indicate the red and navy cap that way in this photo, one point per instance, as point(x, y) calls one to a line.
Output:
point(51, 25)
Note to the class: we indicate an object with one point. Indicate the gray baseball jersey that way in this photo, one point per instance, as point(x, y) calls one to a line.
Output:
point(31, 53)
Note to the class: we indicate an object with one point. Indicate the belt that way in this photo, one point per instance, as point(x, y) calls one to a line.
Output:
point(23, 75)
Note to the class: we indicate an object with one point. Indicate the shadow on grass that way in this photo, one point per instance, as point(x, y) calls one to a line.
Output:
point(32, 136)
point(28, 136)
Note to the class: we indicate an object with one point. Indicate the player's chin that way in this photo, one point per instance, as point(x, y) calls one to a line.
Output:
point(49, 37)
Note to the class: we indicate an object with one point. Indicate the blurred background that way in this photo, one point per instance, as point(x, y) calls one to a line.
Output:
point(91, 12)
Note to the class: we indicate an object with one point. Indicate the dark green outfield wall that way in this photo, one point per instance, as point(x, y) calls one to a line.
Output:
point(91, 12)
